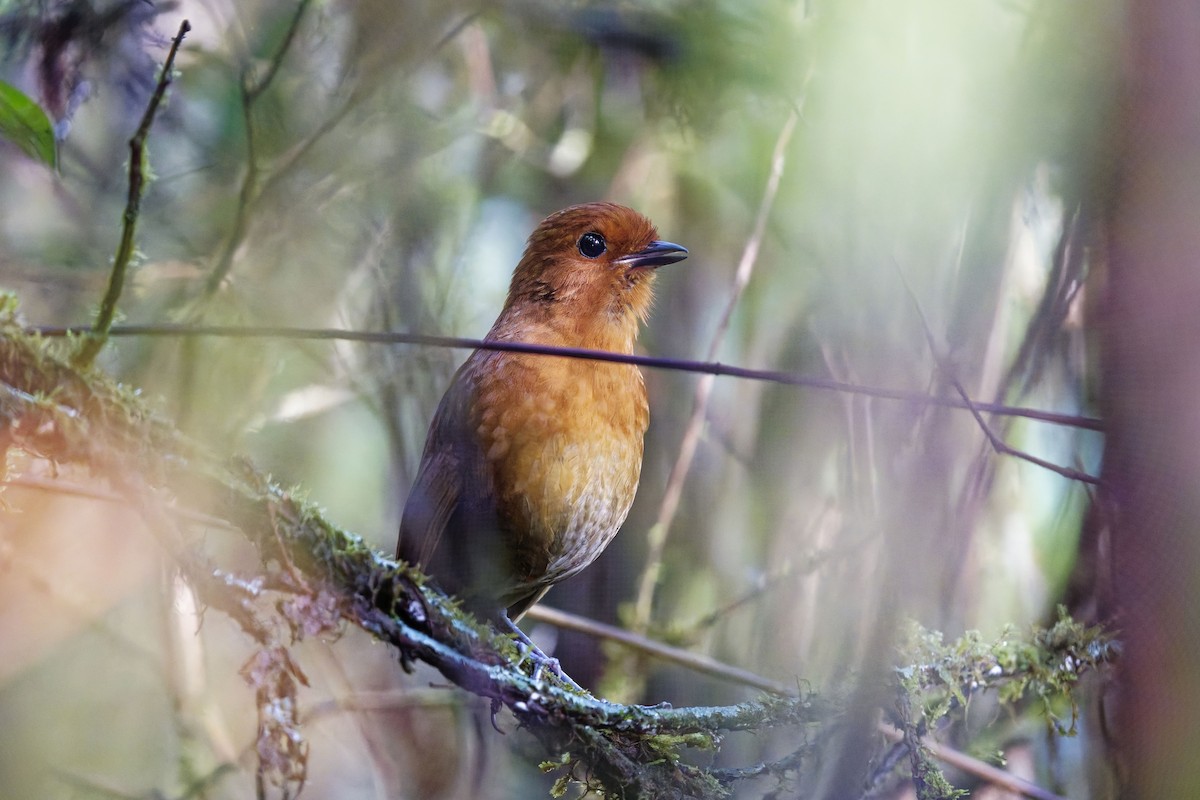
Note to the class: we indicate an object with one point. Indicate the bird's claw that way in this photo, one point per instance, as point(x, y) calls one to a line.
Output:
point(496, 706)
point(542, 663)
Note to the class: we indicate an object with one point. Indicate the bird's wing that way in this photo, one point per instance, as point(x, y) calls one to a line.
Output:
point(451, 509)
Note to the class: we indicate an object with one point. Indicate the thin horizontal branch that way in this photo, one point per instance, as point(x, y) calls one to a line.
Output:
point(973, 766)
point(71, 489)
point(1003, 448)
point(680, 365)
point(684, 658)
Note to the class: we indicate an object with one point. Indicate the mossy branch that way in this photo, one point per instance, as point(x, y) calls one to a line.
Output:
point(57, 411)
point(92, 344)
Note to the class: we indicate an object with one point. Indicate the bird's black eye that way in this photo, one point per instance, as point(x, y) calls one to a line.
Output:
point(592, 244)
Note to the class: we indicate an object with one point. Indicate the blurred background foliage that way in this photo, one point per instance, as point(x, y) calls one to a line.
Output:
point(376, 165)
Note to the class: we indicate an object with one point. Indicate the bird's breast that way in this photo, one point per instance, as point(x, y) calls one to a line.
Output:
point(563, 442)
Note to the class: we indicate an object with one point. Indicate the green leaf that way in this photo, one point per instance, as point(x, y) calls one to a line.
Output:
point(23, 123)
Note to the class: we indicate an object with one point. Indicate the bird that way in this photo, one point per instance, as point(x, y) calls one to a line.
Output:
point(532, 462)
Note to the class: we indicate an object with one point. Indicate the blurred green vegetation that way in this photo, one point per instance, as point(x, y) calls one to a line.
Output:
point(385, 178)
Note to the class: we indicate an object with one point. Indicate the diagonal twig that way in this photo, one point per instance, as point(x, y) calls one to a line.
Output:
point(657, 535)
point(253, 189)
point(973, 766)
point(1003, 448)
point(137, 183)
point(251, 92)
point(998, 445)
point(685, 658)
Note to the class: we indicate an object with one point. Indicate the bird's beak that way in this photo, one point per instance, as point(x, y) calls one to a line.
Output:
point(655, 254)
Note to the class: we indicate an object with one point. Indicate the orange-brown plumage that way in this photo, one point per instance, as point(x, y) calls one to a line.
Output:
point(532, 462)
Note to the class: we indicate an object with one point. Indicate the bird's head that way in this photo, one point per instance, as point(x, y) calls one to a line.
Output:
point(591, 267)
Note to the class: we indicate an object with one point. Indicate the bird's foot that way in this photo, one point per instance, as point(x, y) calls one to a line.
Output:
point(541, 662)
point(544, 663)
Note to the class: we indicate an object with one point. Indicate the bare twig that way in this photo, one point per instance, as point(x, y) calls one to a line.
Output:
point(251, 91)
point(998, 444)
point(693, 661)
point(137, 179)
point(974, 766)
point(657, 535)
point(252, 190)
point(680, 365)
point(789, 571)
point(60, 486)
point(353, 97)
point(1004, 449)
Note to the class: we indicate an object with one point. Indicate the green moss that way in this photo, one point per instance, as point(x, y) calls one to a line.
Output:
point(1043, 666)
